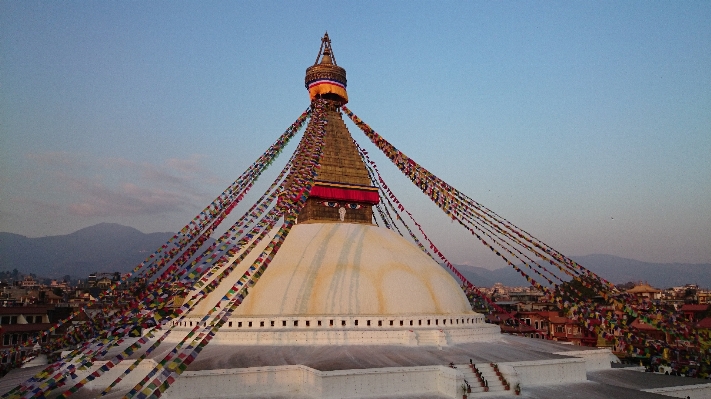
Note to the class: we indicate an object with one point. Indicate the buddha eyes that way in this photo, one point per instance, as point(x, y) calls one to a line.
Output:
point(332, 204)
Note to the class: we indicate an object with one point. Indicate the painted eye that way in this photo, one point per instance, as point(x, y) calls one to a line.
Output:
point(330, 204)
point(353, 206)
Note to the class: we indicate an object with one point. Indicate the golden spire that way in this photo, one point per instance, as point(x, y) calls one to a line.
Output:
point(326, 51)
point(325, 79)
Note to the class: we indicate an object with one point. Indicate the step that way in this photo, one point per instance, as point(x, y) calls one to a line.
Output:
point(496, 387)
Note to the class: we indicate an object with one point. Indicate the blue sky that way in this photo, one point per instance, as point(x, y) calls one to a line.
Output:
point(588, 124)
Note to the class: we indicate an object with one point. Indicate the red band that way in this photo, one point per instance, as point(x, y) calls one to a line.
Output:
point(345, 194)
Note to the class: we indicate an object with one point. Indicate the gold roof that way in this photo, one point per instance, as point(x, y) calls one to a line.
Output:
point(326, 71)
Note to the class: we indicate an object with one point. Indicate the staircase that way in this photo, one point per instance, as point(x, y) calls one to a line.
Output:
point(480, 376)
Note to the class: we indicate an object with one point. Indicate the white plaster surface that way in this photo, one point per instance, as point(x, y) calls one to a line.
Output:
point(692, 391)
point(367, 383)
point(544, 369)
point(595, 359)
point(544, 372)
point(412, 330)
point(345, 269)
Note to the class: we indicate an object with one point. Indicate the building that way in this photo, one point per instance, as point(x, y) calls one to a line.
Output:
point(18, 324)
point(694, 312)
point(644, 291)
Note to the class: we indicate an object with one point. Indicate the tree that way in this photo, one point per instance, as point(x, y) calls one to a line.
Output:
point(581, 288)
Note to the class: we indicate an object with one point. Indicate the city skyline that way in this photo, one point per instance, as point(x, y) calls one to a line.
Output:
point(587, 125)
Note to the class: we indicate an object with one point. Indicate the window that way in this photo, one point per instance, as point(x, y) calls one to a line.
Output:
point(6, 339)
point(419, 322)
point(271, 323)
point(368, 322)
point(283, 323)
point(250, 324)
point(239, 324)
point(391, 322)
point(380, 323)
point(410, 322)
point(343, 322)
point(401, 322)
point(230, 324)
point(319, 323)
point(308, 323)
point(331, 323)
point(428, 322)
point(436, 322)
point(356, 322)
point(261, 324)
point(296, 323)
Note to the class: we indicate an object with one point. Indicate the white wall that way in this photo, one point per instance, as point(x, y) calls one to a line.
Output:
point(544, 372)
point(235, 383)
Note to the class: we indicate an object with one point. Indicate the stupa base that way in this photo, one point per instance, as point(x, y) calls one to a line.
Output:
point(411, 330)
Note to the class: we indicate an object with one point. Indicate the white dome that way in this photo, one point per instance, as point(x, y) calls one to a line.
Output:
point(346, 269)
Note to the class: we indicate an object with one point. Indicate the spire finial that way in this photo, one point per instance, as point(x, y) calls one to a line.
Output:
point(325, 78)
point(325, 53)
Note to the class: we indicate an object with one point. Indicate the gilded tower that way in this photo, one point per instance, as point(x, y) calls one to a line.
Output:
point(342, 190)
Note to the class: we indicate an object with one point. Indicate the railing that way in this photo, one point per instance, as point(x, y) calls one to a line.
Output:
point(501, 377)
point(482, 381)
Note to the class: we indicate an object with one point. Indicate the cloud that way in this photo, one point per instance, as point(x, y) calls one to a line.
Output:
point(86, 186)
point(126, 200)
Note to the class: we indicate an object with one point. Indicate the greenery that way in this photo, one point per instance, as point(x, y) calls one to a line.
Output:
point(581, 288)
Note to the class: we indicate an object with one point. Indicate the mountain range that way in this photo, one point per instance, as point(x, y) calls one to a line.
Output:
point(110, 247)
point(615, 269)
point(105, 247)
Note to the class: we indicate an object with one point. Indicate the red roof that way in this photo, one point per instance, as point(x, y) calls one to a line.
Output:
point(500, 317)
point(694, 308)
point(32, 327)
point(704, 323)
point(18, 310)
point(521, 328)
point(561, 320)
point(640, 325)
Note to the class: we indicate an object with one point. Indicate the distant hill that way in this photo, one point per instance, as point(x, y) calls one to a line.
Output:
point(105, 247)
point(109, 247)
point(612, 268)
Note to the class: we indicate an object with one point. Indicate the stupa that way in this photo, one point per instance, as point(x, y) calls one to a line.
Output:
point(350, 309)
point(338, 278)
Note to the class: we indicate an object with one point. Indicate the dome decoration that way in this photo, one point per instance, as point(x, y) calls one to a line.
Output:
point(326, 79)
point(348, 269)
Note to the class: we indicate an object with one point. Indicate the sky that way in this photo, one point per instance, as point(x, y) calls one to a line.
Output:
point(587, 124)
